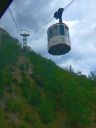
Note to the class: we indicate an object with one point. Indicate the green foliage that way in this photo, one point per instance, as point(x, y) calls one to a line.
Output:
point(22, 67)
point(5, 77)
point(78, 109)
point(22, 126)
point(37, 99)
point(34, 98)
point(9, 51)
point(15, 80)
point(38, 80)
point(68, 91)
point(2, 119)
point(46, 110)
point(25, 85)
point(28, 117)
point(11, 69)
point(1, 91)
point(12, 106)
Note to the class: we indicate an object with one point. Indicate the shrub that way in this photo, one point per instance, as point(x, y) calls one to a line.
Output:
point(12, 106)
point(15, 80)
point(1, 91)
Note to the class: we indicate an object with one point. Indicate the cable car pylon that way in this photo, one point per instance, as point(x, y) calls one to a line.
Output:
point(25, 34)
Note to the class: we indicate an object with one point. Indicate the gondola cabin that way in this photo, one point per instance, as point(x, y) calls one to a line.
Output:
point(58, 39)
point(58, 36)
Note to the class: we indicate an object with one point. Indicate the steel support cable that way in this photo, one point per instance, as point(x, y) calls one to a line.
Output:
point(73, 1)
point(14, 20)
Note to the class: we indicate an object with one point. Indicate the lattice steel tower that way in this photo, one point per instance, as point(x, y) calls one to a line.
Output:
point(25, 35)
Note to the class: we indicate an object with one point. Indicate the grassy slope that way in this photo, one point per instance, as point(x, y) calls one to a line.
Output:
point(47, 97)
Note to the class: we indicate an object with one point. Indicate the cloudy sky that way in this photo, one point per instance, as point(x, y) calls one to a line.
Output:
point(37, 16)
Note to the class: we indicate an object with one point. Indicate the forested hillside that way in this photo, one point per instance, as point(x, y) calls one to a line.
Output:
point(36, 93)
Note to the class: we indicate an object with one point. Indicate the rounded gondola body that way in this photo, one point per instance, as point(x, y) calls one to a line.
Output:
point(58, 39)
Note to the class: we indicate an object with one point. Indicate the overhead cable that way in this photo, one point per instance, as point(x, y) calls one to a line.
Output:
point(14, 20)
point(69, 4)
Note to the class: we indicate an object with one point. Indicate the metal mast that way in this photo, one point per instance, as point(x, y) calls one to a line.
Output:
point(25, 47)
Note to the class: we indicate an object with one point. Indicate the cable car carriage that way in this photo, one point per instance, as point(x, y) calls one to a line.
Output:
point(58, 36)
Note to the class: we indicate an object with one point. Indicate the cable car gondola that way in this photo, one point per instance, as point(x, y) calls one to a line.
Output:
point(58, 36)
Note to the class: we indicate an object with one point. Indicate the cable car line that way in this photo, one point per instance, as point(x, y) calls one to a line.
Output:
point(23, 34)
point(69, 4)
point(73, 1)
point(47, 23)
point(58, 34)
point(14, 20)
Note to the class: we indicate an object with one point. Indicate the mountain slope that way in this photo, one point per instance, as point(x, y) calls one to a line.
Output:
point(35, 93)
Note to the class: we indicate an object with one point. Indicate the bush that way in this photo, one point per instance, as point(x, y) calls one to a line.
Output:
point(11, 69)
point(12, 106)
point(15, 80)
point(22, 126)
point(34, 98)
point(46, 110)
point(22, 67)
point(1, 91)
point(28, 118)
